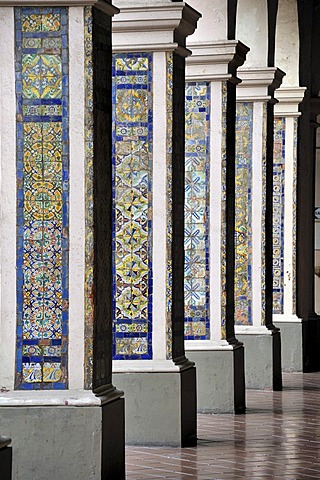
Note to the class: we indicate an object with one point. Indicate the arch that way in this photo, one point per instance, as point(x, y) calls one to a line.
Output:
point(287, 42)
point(214, 22)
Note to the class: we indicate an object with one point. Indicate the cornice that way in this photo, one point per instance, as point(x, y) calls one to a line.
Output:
point(106, 7)
point(259, 84)
point(289, 99)
point(215, 60)
point(155, 27)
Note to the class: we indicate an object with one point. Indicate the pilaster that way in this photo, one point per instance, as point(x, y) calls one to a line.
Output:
point(58, 108)
point(284, 225)
point(209, 220)
point(254, 172)
point(148, 123)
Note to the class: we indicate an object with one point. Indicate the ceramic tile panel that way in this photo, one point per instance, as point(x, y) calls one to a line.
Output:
point(89, 253)
point(169, 109)
point(224, 96)
point(41, 49)
point(294, 220)
point(263, 213)
point(278, 213)
point(243, 213)
point(132, 212)
point(196, 238)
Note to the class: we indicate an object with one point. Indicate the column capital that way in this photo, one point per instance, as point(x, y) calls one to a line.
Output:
point(215, 60)
point(289, 99)
point(157, 27)
point(101, 4)
point(259, 84)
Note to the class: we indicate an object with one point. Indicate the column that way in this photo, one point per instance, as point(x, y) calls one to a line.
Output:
point(148, 171)
point(209, 213)
point(254, 172)
point(284, 225)
point(57, 400)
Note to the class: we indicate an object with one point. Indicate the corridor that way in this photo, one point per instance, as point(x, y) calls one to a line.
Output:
point(279, 437)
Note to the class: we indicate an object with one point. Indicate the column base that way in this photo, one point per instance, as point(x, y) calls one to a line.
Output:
point(220, 376)
point(311, 341)
point(5, 459)
point(291, 342)
point(160, 402)
point(262, 357)
point(64, 435)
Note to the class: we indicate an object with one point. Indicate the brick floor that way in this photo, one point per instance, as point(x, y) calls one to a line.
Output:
point(278, 437)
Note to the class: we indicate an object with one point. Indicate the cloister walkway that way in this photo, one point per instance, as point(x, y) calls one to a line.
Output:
point(278, 437)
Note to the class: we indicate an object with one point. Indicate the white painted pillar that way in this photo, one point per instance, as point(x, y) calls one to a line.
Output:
point(209, 70)
point(284, 221)
point(148, 87)
point(253, 94)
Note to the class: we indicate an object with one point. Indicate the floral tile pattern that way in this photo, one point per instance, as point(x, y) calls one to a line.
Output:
point(42, 197)
point(243, 227)
point(278, 213)
point(197, 160)
point(132, 196)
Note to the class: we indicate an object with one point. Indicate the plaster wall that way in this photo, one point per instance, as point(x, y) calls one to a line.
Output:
point(252, 30)
point(287, 42)
point(213, 24)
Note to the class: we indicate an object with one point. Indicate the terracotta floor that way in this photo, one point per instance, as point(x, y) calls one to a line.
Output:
point(278, 437)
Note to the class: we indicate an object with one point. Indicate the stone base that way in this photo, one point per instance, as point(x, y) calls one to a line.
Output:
point(160, 402)
point(291, 342)
point(69, 436)
point(220, 376)
point(262, 357)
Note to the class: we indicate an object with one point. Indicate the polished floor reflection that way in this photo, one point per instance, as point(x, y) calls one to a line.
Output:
point(278, 437)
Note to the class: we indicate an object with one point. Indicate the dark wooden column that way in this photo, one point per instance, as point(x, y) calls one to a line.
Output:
point(5, 458)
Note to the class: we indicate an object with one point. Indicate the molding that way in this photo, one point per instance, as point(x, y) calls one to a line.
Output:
point(252, 330)
point(289, 99)
point(209, 345)
point(259, 84)
point(283, 318)
point(159, 27)
point(101, 4)
point(149, 366)
point(49, 398)
point(215, 60)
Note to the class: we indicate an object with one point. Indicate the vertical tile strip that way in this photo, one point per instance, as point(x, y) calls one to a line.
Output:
point(169, 108)
point(263, 226)
point(41, 36)
point(294, 221)
point(196, 238)
point(243, 228)
point(89, 252)
point(223, 208)
point(278, 213)
point(132, 197)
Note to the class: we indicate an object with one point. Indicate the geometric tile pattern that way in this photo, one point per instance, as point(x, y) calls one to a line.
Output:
point(243, 227)
point(196, 238)
point(42, 197)
point(278, 213)
point(223, 301)
point(294, 215)
point(132, 197)
point(89, 253)
point(263, 212)
point(169, 133)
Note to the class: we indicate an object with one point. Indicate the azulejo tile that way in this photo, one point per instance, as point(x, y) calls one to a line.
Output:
point(132, 229)
point(41, 261)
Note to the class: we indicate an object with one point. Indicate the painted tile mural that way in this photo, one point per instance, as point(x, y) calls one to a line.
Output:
point(243, 226)
point(294, 222)
point(42, 197)
point(89, 253)
point(197, 160)
point(278, 213)
point(132, 196)
point(224, 96)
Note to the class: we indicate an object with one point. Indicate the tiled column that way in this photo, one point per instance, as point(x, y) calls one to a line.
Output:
point(254, 172)
point(57, 400)
point(209, 245)
point(148, 161)
point(284, 225)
